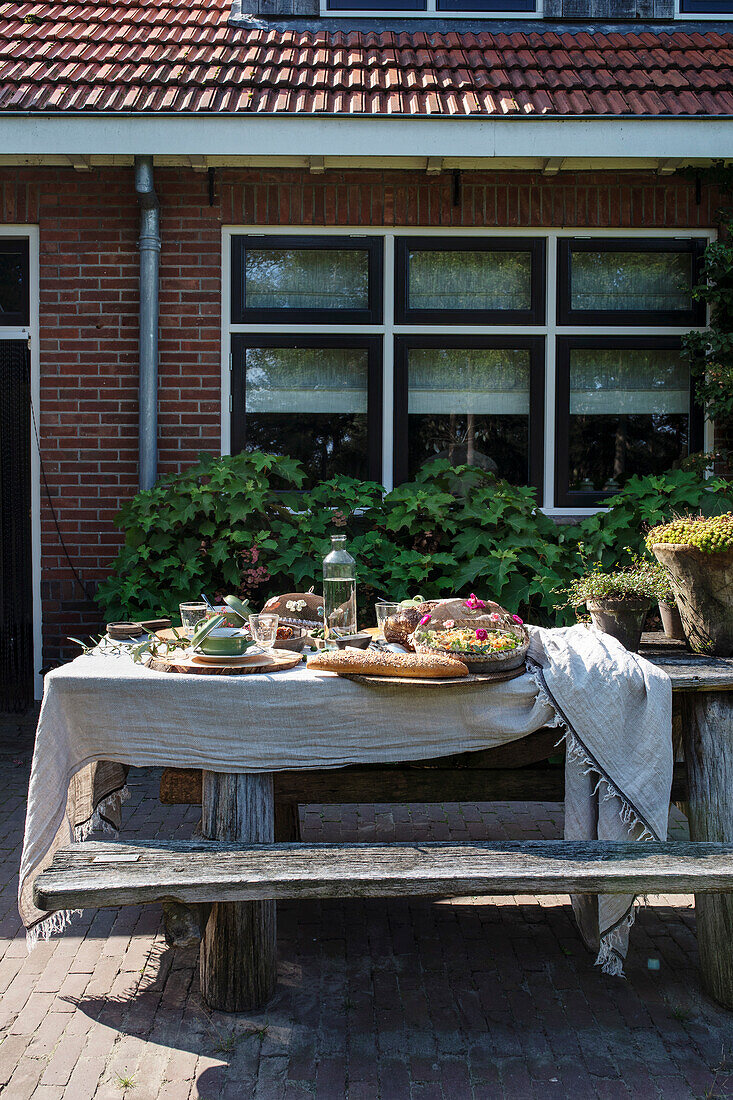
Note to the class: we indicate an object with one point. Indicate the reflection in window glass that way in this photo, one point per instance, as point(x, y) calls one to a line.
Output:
point(658, 281)
point(470, 405)
point(299, 278)
point(311, 404)
point(470, 280)
point(13, 289)
point(629, 414)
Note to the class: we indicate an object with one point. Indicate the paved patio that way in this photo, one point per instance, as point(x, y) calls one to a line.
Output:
point(377, 1000)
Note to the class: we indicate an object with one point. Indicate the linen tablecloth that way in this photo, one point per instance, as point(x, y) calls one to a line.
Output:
point(101, 714)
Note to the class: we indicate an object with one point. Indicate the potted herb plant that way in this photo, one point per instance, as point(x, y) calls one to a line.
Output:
point(698, 554)
point(618, 601)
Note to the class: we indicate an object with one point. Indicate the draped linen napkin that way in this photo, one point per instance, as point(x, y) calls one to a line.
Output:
point(617, 711)
point(101, 714)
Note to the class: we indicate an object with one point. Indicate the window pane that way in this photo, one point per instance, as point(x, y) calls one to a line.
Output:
point(13, 288)
point(487, 5)
point(299, 278)
point(659, 281)
point(470, 405)
point(707, 7)
point(629, 414)
point(376, 5)
point(311, 404)
point(471, 279)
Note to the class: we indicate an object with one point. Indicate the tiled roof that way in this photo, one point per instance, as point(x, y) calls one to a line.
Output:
point(172, 55)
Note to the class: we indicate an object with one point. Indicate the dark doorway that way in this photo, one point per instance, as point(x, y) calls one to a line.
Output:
point(16, 583)
point(16, 551)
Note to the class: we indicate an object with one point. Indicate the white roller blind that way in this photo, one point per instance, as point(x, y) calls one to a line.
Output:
point(306, 380)
point(604, 381)
point(468, 380)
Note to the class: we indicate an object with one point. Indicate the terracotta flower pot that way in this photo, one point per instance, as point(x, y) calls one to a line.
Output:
point(622, 619)
point(703, 588)
point(671, 620)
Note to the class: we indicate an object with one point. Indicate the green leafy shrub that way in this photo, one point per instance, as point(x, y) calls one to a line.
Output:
point(646, 502)
point(241, 524)
point(711, 350)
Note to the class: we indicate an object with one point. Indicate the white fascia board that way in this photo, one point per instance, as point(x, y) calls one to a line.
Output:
point(219, 135)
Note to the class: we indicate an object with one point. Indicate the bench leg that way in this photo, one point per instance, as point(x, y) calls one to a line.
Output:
point(238, 960)
point(708, 739)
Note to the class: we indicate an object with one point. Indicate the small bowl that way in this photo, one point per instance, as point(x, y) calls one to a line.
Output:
point(225, 642)
point(296, 644)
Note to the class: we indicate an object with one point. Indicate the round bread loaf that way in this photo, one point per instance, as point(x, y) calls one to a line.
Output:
point(372, 662)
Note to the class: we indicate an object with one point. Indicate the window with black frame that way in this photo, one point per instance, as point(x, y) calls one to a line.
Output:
point(307, 280)
point(489, 280)
point(14, 284)
point(629, 282)
point(625, 406)
point(475, 400)
point(315, 398)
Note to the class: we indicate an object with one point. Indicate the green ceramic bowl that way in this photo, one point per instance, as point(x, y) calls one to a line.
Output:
point(225, 642)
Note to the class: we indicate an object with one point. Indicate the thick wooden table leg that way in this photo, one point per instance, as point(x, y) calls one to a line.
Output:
point(708, 739)
point(238, 957)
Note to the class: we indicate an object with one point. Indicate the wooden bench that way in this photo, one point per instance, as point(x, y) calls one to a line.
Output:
point(199, 871)
point(210, 875)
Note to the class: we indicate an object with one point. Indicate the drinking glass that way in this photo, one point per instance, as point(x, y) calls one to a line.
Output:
point(384, 612)
point(191, 615)
point(263, 629)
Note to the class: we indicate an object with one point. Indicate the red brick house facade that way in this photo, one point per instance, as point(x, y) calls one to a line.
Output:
point(82, 221)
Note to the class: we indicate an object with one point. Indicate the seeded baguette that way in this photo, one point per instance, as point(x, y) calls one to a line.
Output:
point(373, 663)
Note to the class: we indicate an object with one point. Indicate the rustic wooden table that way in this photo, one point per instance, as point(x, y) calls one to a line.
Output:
point(238, 954)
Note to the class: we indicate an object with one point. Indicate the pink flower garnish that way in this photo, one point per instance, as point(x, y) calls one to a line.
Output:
point(482, 634)
point(517, 620)
point(474, 602)
point(449, 624)
point(495, 617)
point(425, 619)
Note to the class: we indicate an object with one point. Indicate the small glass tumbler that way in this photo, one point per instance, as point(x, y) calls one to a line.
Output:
point(191, 615)
point(385, 611)
point(263, 629)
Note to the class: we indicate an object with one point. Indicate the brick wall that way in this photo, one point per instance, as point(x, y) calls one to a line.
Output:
point(88, 310)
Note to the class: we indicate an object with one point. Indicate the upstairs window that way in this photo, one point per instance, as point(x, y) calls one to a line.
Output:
point(487, 8)
point(722, 8)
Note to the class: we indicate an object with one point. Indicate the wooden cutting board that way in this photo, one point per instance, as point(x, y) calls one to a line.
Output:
point(266, 662)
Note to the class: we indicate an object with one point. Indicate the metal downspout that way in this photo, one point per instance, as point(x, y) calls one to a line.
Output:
point(149, 246)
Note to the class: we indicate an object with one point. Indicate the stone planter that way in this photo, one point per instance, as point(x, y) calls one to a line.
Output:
point(703, 588)
point(622, 619)
point(671, 621)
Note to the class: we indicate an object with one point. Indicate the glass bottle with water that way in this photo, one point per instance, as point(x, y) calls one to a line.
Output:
point(339, 592)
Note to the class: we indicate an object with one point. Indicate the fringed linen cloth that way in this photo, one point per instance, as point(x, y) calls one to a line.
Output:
point(102, 714)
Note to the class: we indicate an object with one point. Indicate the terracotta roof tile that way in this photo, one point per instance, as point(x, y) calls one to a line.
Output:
point(162, 55)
